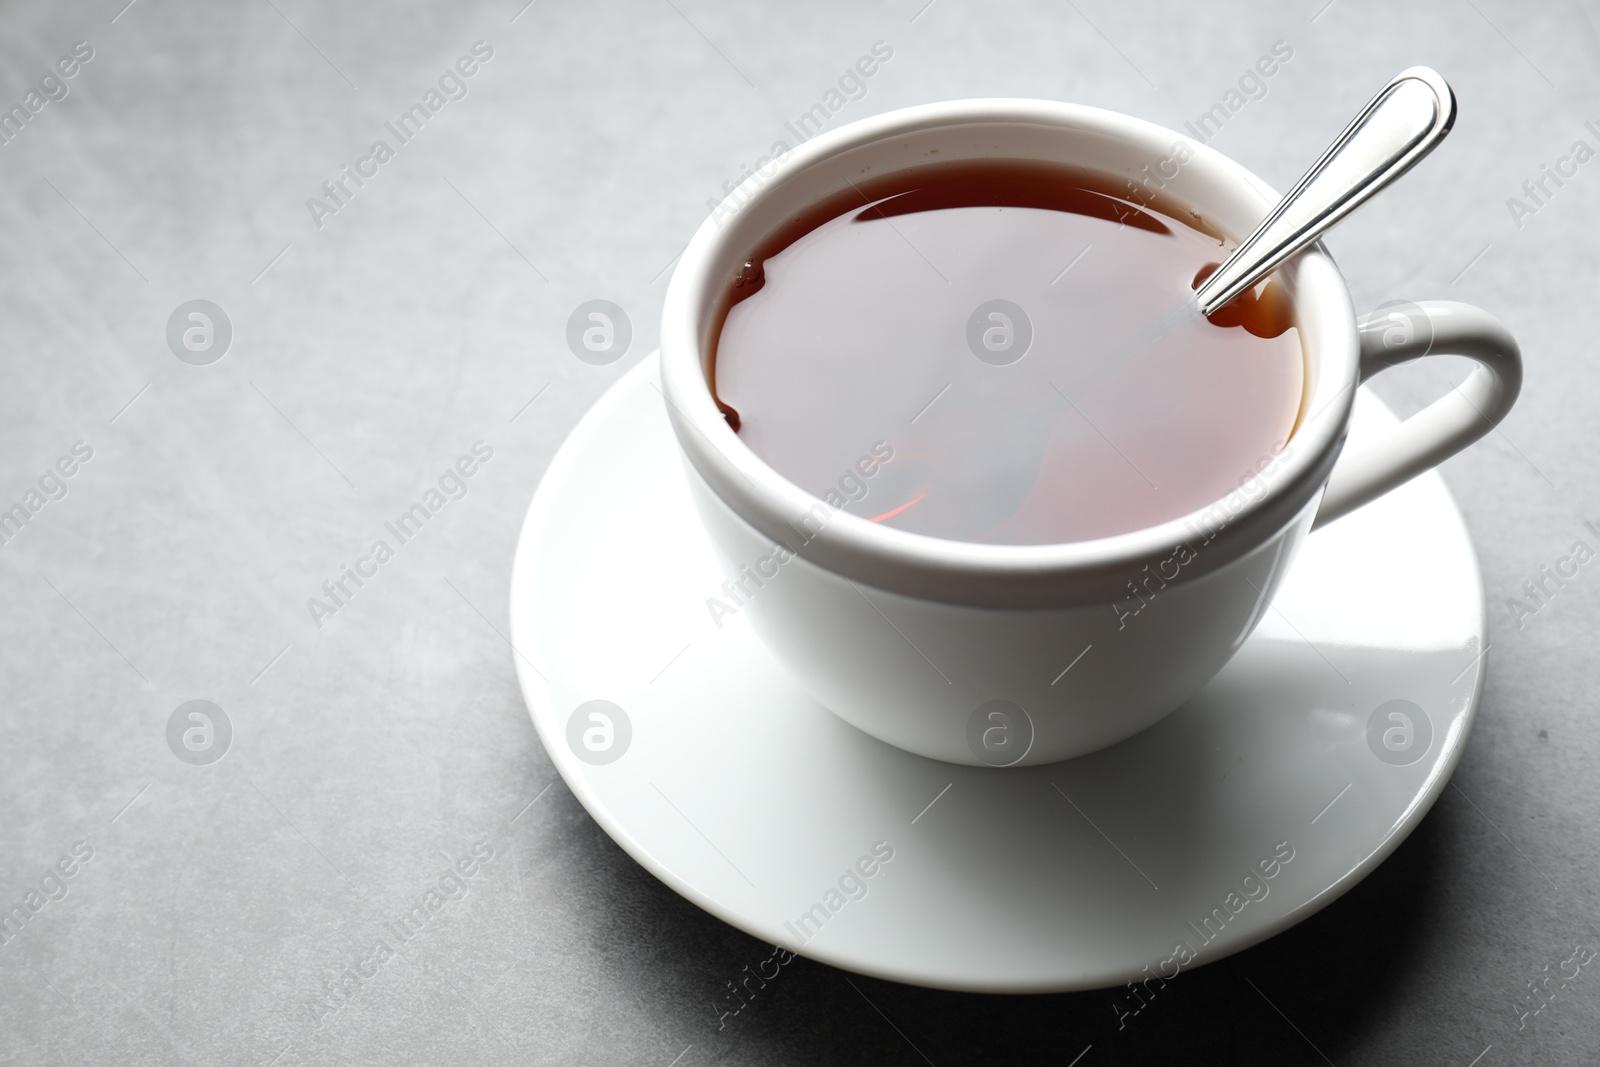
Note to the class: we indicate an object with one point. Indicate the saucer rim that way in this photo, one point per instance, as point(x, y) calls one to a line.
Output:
point(534, 687)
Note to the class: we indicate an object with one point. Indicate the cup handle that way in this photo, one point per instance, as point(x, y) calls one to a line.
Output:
point(1399, 333)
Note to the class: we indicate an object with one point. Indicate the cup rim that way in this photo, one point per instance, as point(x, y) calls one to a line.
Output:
point(1004, 575)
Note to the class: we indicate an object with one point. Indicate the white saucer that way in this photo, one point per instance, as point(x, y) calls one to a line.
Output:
point(743, 794)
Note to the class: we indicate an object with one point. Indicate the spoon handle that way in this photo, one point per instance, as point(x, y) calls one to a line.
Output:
point(1400, 125)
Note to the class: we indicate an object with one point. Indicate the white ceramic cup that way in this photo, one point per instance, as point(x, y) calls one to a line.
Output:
point(1011, 655)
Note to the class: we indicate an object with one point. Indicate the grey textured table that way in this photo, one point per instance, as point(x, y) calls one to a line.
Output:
point(229, 912)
